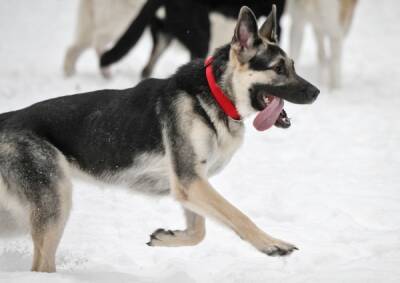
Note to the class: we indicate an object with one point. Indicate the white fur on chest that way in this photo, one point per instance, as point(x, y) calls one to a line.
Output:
point(149, 173)
point(223, 150)
point(217, 149)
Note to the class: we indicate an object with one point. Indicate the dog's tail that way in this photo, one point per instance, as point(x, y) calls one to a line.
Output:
point(132, 34)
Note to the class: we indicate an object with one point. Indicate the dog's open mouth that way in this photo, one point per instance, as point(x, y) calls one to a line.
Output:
point(272, 114)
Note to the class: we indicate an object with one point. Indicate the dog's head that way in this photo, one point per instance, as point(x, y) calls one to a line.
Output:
point(260, 73)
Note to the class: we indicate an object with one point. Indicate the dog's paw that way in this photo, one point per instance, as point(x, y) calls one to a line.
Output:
point(279, 248)
point(145, 73)
point(160, 237)
point(176, 238)
point(69, 71)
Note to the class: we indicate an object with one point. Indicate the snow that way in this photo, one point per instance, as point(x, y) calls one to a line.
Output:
point(329, 184)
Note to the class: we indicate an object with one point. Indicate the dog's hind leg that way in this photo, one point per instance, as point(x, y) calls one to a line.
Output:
point(319, 36)
point(37, 178)
point(321, 51)
point(72, 56)
point(193, 234)
point(296, 33)
point(100, 45)
point(83, 38)
point(335, 61)
point(161, 41)
point(47, 228)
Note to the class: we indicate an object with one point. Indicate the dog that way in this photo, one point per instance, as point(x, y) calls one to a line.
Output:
point(99, 23)
point(161, 136)
point(187, 21)
point(330, 21)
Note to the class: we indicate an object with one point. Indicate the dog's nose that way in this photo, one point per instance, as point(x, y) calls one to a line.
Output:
point(312, 93)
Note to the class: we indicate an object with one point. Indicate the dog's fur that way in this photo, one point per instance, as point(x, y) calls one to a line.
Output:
point(162, 136)
point(99, 23)
point(187, 21)
point(330, 21)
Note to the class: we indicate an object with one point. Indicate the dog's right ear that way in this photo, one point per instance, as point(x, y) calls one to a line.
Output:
point(246, 36)
point(269, 29)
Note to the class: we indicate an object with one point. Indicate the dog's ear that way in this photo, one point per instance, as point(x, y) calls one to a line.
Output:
point(268, 29)
point(246, 35)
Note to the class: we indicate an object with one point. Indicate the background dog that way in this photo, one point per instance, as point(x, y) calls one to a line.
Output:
point(164, 135)
point(99, 22)
point(330, 21)
point(187, 21)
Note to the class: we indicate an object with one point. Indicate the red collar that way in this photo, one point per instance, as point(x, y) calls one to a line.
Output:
point(223, 101)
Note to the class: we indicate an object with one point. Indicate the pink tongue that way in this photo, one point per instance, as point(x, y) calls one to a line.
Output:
point(267, 118)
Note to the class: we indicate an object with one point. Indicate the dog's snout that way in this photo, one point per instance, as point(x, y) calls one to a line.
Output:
point(312, 93)
point(308, 92)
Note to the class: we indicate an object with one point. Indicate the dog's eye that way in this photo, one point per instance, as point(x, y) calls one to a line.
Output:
point(279, 69)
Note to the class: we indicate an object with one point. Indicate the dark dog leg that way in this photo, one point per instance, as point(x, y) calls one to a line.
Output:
point(161, 41)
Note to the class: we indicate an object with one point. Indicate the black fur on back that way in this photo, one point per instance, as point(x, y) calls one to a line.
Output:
point(105, 130)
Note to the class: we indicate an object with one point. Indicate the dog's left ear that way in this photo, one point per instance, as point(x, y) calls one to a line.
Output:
point(246, 36)
point(268, 29)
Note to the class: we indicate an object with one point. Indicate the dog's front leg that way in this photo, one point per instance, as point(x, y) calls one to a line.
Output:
point(189, 143)
point(199, 196)
point(192, 235)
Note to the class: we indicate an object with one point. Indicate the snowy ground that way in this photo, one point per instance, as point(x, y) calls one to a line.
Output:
point(330, 184)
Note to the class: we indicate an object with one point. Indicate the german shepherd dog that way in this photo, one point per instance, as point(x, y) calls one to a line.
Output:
point(187, 21)
point(162, 136)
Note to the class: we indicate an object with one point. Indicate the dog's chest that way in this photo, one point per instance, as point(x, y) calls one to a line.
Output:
point(150, 171)
point(224, 147)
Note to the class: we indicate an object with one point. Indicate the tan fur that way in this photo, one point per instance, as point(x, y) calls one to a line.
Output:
point(202, 198)
point(7, 148)
point(99, 23)
point(347, 8)
point(45, 246)
point(330, 21)
point(46, 239)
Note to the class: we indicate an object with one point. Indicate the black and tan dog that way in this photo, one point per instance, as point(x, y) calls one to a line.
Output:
point(162, 136)
point(196, 24)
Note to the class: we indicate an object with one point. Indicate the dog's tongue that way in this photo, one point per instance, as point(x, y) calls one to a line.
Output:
point(267, 118)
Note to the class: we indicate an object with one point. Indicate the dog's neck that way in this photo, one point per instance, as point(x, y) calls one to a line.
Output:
point(191, 78)
point(220, 66)
point(220, 97)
